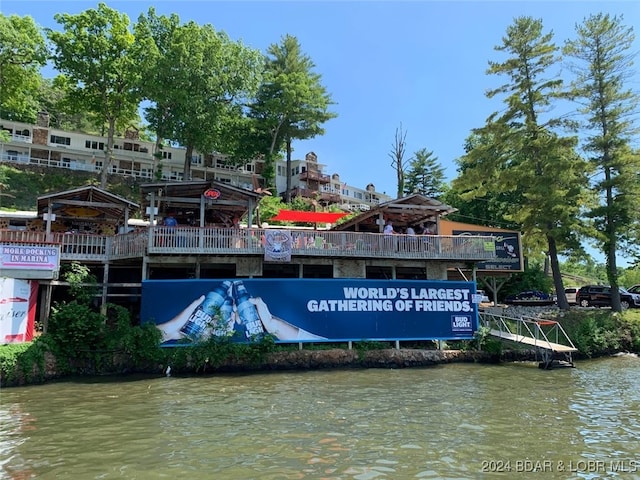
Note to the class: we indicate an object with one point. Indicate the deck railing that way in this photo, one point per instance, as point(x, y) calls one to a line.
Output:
point(186, 240)
point(228, 241)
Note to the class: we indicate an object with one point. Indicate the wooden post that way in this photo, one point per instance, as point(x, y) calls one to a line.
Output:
point(45, 306)
point(105, 288)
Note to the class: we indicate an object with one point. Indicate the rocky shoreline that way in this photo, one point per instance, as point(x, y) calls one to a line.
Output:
point(316, 359)
point(298, 360)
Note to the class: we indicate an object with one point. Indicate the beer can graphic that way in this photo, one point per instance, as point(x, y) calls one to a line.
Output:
point(247, 312)
point(203, 316)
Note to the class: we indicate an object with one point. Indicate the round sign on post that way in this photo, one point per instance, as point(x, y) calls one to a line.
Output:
point(211, 194)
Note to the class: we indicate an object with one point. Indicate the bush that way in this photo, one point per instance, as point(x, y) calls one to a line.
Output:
point(599, 332)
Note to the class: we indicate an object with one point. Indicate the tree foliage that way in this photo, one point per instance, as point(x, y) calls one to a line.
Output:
point(473, 194)
point(198, 83)
point(23, 52)
point(99, 55)
point(291, 103)
point(602, 61)
point(425, 175)
point(527, 158)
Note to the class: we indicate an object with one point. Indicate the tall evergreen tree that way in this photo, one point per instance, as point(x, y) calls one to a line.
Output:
point(22, 53)
point(291, 102)
point(528, 157)
point(476, 199)
point(602, 61)
point(425, 175)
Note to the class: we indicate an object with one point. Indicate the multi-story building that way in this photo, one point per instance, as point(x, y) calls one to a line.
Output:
point(309, 180)
point(40, 144)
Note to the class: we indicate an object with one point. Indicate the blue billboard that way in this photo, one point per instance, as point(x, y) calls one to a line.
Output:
point(310, 310)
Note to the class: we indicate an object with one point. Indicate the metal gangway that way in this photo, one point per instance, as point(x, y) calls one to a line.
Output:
point(549, 339)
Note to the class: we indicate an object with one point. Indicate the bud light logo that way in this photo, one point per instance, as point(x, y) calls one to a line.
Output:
point(461, 323)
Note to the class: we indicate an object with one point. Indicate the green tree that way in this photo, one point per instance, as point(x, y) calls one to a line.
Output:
point(23, 52)
point(54, 97)
point(528, 159)
point(482, 204)
point(602, 61)
point(425, 175)
point(291, 102)
point(99, 55)
point(199, 82)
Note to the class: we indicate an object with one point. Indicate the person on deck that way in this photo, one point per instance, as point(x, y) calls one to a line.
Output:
point(388, 228)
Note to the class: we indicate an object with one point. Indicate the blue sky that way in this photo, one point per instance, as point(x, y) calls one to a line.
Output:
point(419, 64)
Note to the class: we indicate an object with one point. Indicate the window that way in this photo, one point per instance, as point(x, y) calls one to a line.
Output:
point(94, 145)
point(60, 140)
point(166, 155)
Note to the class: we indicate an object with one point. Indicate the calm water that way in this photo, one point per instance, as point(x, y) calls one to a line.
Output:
point(450, 421)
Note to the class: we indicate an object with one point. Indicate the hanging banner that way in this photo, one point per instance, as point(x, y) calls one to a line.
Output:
point(277, 246)
point(313, 310)
point(18, 301)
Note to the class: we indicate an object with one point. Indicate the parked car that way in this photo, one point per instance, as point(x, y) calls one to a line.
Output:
point(634, 289)
point(600, 296)
point(570, 293)
point(530, 297)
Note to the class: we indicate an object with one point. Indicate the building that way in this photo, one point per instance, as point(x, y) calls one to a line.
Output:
point(82, 225)
point(309, 180)
point(42, 145)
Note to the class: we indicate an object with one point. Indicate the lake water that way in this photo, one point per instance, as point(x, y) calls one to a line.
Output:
point(451, 421)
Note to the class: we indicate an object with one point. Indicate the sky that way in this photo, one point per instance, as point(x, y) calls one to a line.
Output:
point(416, 65)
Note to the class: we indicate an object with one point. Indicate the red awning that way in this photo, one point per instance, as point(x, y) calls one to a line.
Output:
point(308, 217)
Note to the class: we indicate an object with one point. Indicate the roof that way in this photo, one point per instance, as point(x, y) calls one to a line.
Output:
point(410, 210)
point(89, 202)
point(222, 201)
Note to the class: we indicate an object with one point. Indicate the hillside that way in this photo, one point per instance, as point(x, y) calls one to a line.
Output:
point(22, 184)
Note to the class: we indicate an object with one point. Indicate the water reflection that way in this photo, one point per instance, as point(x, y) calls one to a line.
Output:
point(446, 422)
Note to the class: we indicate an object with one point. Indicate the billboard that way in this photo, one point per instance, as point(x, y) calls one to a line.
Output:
point(310, 310)
point(508, 251)
point(18, 300)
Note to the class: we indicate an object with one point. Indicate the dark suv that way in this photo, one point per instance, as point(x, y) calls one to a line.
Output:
point(600, 296)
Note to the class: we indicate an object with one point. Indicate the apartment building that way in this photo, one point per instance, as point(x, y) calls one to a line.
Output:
point(40, 144)
point(308, 179)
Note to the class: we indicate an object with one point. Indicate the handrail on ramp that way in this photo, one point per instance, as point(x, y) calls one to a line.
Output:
point(547, 336)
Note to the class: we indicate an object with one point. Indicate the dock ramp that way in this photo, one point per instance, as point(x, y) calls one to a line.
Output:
point(549, 339)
